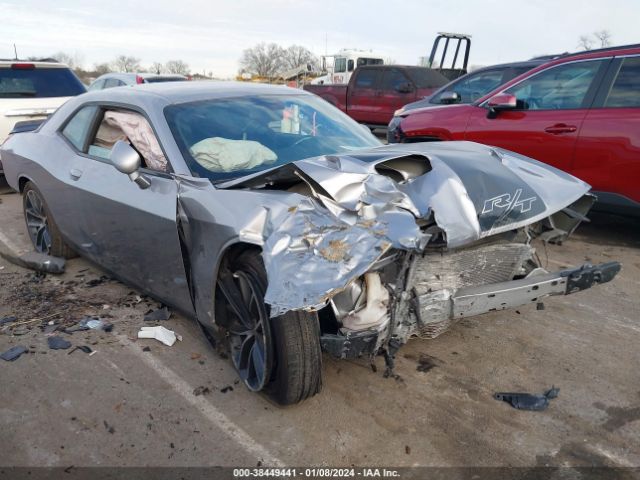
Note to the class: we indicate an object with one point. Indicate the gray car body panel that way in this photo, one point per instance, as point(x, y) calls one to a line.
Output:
point(313, 245)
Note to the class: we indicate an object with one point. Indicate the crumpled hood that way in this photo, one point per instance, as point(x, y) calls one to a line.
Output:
point(366, 202)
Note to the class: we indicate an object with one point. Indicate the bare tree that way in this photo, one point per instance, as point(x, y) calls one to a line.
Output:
point(604, 37)
point(296, 56)
point(122, 63)
point(101, 68)
point(156, 67)
point(585, 42)
point(177, 66)
point(75, 61)
point(264, 60)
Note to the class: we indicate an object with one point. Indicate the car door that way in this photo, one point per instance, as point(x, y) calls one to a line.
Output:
point(552, 104)
point(608, 149)
point(395, 91)
point(127, 230)
point(361, 95)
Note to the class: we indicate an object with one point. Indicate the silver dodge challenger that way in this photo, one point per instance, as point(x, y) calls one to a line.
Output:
point(285, 228)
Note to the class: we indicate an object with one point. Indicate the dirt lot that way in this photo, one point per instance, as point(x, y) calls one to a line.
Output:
point(129, 405)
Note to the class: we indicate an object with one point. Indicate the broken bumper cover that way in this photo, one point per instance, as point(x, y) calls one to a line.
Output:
point(468, 302)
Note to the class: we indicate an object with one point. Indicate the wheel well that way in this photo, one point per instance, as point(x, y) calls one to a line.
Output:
point(21, 183)
point(230, 253)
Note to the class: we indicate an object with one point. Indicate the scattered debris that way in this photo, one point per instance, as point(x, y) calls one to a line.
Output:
point(58, 343)
point(166, 336)
point(13, 353)
point(109, 428)
point(528, 401)
point(195, 356)
point(84, 348)
point(50, 329)
point(157, 315)
point(407, 449)
point(226, 389)
point(201, 390)
point(97, 281)
point(540, 306)
point(6, 320)
point(426, 363)
point(146, 349)
point(22, 330)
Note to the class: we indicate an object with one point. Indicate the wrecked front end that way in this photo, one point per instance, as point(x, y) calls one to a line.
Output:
point(404, 240)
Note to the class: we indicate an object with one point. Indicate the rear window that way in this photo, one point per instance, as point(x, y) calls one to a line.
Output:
point(39, 82)
point(427, 78)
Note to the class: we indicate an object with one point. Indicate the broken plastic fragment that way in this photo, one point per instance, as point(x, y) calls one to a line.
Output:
point(13, 353)
point(528, 401)
point(58, 343)
point(168, 337)
point(160, 314)
point(7, 320)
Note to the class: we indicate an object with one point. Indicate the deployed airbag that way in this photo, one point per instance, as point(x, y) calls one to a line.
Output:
point(225, 155)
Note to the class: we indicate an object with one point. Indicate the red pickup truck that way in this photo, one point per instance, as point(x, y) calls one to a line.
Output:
point(579, 113)
point(374, 92)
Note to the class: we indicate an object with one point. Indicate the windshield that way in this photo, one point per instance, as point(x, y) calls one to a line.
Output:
point(228, 138)
point(39, 82)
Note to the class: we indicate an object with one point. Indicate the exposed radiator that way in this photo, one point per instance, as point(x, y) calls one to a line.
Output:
point(436, 276)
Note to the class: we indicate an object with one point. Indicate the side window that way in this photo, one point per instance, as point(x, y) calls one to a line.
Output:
point(97, 85)
point(559, 88)
point(393, 80)
point(625, 91)
point(132, 128)
point(341, 65)
point(77, 129)
point(350, 65)
point(111, 82)
point(366, 78)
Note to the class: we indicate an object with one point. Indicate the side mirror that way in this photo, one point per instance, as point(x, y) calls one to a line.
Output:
point(500, 102)
point(127, 160)
point(449, 97)
point(404, 88)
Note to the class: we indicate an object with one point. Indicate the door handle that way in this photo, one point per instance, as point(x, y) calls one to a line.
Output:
point(75, 173)
point(559, 128)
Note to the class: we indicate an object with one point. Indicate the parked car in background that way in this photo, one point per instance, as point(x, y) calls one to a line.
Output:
point(472, 86)
point(375, 92)
point(33, 90)
point(109, 80)
point(579, 113)
point(285, 228)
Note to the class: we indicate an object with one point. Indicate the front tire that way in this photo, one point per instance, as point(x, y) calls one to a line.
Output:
point(43, 231)
point(280, 355)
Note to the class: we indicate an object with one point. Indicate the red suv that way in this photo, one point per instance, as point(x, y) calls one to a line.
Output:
point(579, 113)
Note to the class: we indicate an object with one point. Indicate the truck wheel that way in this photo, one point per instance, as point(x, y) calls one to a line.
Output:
point(43, 231)
point(279, 355)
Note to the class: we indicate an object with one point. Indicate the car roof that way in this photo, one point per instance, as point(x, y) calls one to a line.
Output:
point(183, 92)
point(622, 50)
point(133, 75)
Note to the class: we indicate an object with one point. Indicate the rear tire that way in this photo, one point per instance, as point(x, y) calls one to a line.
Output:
point(294, 354)
point(46, 237)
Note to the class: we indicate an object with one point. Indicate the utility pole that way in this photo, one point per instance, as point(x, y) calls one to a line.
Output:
point(15, 51)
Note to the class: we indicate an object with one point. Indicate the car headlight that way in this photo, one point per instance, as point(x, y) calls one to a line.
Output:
point(398, 112)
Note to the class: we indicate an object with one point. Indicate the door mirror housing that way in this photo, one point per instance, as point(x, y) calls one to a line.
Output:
point(126, 160)
point(500, 102)
point(449, 97)
point(404, 88)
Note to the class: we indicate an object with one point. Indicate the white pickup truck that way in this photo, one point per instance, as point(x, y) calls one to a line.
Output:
point(32, 91)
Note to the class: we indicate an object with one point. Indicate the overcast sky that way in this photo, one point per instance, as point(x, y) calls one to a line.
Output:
point(210, 35)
